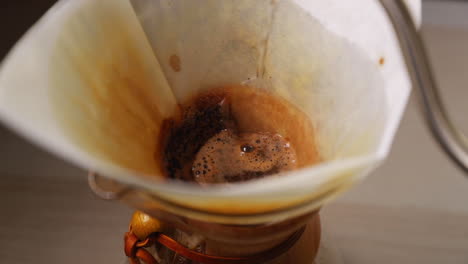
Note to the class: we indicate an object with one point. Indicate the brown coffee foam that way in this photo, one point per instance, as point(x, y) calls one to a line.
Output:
point(248, 113)
point(231, 157)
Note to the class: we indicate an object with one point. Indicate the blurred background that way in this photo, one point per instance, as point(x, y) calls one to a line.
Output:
point(413, 209)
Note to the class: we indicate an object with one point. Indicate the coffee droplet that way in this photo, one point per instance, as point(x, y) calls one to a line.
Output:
point(247, 148)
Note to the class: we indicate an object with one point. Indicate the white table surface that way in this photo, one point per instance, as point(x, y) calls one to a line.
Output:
point(414, 209)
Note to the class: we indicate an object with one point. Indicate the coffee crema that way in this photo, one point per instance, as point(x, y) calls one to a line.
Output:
point(234, 134)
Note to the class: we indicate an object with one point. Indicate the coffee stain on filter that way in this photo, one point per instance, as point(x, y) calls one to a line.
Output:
point(175, 63)
point(108, 90)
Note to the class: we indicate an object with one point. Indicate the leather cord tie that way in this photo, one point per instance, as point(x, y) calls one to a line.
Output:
point(136, 252)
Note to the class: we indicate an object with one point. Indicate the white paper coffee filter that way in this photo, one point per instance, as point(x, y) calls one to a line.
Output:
point(92, 82)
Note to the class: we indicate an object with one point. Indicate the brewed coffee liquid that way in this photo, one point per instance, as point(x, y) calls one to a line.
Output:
point(236, 133)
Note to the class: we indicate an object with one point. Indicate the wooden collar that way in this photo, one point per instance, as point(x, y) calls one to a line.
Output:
point(136, 252)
